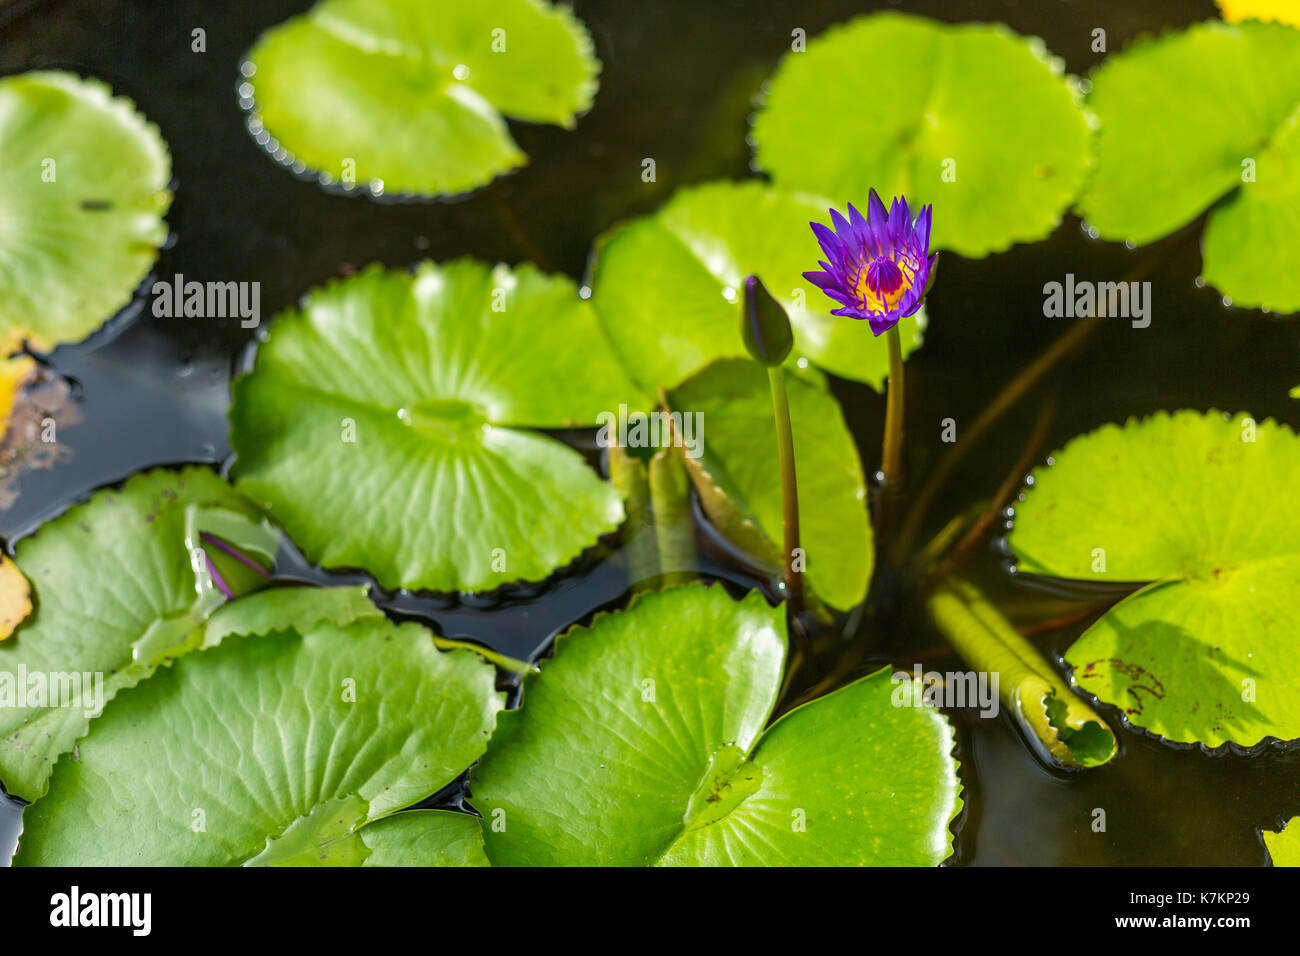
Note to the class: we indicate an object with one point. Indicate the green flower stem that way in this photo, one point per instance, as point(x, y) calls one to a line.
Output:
point(789, 488)
point(1070, 732)
point(512, 665)
point(892, 452)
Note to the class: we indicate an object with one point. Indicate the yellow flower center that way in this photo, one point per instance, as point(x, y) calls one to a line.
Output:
point(882, 283)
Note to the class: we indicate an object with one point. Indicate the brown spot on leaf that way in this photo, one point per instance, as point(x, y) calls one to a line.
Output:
point(1140, 680)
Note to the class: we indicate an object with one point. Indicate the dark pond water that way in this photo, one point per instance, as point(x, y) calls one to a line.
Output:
point(677, 86)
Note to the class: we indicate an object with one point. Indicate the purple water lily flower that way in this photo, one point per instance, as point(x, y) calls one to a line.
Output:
point(878, 267)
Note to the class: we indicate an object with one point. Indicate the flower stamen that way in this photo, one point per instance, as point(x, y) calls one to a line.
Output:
point(882, 282)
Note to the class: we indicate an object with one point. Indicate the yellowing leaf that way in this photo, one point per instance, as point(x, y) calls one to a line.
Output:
point(1282, 11)
point(15, 598)
point(13, 373)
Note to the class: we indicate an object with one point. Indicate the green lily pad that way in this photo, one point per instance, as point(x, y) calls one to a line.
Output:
point(1284, 846)
point(265, 611)
point(84, 188)
point(642, 743)
point(1192, 118)
point(738, 475)
point(385, 425)
point(116, 595)
point(1203, 508)
point(276, 749)
point(971, 118)
point(424, 838)
point(305, 607)
point(1250, 248)
point(410, 96)
point(667, 287)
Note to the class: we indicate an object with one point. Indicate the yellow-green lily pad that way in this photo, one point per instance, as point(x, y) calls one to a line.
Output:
point(1199, 512)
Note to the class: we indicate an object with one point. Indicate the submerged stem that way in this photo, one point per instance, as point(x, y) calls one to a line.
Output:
point(516, 232)
point(1064, 620)
point(789, 489)
point(978, 531)
point(1012, 392)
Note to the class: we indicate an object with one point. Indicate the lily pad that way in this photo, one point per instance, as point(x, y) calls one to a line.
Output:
point(84, 186)
point(1206, 116)
point(738, 475)
point(385, 425)
point(1284, 845)
point(1200, 510)
point(117, 594)
point(265, 611)
point(278, 749)
point(410, 96)
point(667, 287)
point(971, 118)
point(642, 743)
point(424, 838)
point(304, 607)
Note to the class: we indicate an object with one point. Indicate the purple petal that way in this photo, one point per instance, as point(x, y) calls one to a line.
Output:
point(930, 273)
point(851, 312)
point(237, 555)
point(823, 280)
point(900, 227)
point(867, 242)
point(831, 245)
point(904, 215)
point(876, 215)
point(923, 229)
point(879, 326)
point(217, 579)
